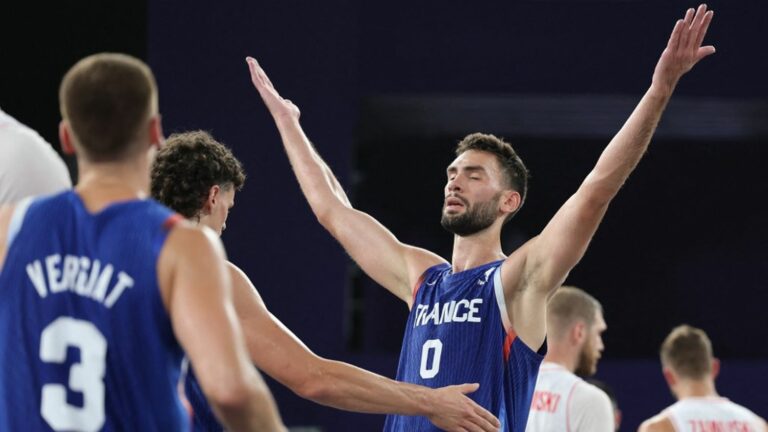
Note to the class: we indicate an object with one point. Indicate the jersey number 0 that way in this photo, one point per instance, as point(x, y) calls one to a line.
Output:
point(430, 369)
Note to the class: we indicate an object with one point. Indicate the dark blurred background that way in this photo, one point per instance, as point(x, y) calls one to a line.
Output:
point(386, 89)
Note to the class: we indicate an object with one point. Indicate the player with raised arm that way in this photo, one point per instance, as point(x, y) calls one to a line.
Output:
point(197, 176)
point(102, 290)
point(481, 317)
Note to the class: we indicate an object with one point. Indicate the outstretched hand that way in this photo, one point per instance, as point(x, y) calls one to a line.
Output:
point(279, 108)
point(684, 48)
point(453, 411)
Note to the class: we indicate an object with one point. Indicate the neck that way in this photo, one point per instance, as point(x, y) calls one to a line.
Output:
point(101, 184)
point(477, 249)
point(695, 388)
point(563, 357)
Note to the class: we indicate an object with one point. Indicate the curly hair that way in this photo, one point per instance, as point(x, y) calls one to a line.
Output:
point(186, 168)
point(512, 166)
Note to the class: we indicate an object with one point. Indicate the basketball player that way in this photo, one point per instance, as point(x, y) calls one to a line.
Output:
point(562, 401)
point(690, 371)
point(100, 288)
point(197, 176)
point(29, 165)
point(481, 317)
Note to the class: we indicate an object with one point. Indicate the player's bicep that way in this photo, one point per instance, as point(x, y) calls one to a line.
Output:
point(564, 240)
point(198, 291)
point(392, 264)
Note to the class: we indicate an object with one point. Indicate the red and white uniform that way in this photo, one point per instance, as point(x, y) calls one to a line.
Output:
point(705, 414)
point(564, 402)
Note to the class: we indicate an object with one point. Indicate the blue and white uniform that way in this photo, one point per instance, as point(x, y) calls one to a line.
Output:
point(86, 343)
point(203, 418)
point(458, 332)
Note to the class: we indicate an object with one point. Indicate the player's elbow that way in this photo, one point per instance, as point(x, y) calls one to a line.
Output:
point(233, 396)
point(316, 385)
point(330, 215)
point(316, 389)
point(324, 215)
point(595, 195)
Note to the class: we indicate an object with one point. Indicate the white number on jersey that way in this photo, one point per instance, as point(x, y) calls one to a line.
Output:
point(86, 377)
point(434, 367)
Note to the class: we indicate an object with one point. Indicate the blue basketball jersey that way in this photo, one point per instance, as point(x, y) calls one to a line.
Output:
point(203, 419)
point(456, 334)
point(85, 341)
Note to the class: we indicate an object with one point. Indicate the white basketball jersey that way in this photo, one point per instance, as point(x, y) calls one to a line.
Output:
point(700, 414)
point(564, 402)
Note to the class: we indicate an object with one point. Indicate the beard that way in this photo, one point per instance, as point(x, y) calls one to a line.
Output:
point(476, 218)
point(587, 364)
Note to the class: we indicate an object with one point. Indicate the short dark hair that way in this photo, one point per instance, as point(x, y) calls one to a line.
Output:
point(106, 99)
point(186, 168)
point(515, 173)
point(687, 351)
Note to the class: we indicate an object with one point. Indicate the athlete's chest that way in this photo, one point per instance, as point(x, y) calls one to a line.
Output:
point(444, 299)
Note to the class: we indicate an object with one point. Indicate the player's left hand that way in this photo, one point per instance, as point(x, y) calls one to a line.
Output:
point(455, 412)
point(683, 49)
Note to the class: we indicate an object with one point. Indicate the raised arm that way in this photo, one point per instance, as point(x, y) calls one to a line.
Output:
point(281, 355)
point(197, 293)
point(543, 264)
point(389, 262)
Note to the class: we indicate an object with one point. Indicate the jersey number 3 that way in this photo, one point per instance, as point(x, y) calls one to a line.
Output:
point(86, 377)
point(430, 369)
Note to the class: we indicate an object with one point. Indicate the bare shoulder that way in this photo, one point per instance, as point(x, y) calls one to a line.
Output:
point(188, 248)
point(236, 273)
point(6, 214)
point(658, 423)
point(242, 285)
point(192, 241)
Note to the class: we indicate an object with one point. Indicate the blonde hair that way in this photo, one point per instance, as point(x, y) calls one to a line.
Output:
point(568, 305)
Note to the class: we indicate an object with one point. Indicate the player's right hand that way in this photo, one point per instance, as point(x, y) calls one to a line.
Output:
point(455, 412)
point(684, 48)
point(279, 108)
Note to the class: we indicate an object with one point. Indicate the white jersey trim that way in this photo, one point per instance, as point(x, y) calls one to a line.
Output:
point(499, 294)
point(17, 220)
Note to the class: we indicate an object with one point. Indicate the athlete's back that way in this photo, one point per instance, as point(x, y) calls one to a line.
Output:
point(713, 413)
point(85, 340)
point(457, 333)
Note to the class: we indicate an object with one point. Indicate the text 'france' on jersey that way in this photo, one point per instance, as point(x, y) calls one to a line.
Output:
point(458, 332)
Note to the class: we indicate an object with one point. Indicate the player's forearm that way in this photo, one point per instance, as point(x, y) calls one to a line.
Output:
point(319, 185)
point(347, 387)
point(625, 150)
